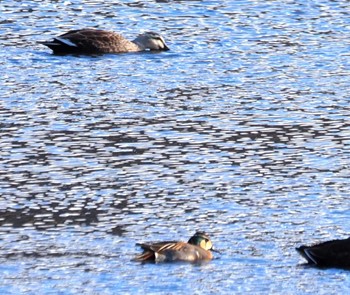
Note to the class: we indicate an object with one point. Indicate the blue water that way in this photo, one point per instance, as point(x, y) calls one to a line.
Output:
point(241, 129)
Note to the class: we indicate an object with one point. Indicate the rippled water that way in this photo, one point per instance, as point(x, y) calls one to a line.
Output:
point(242, 130)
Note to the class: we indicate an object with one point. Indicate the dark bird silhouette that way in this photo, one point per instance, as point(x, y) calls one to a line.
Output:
point(335, 253)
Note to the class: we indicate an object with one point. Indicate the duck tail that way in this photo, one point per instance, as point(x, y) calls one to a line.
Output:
point(61, 45)
point(145, 256)
point(307, 254)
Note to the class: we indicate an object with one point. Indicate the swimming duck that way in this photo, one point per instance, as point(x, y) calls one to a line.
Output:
point(334, 253)
point(92, 41)
point(195, 250)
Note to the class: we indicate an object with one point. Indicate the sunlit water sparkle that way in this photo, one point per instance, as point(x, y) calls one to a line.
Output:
point(241, 130)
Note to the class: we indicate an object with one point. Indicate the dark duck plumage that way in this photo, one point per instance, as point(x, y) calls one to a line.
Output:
point(334, 253)
point(92, 41)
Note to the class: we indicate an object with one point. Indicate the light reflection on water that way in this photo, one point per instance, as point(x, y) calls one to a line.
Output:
point(240, 130)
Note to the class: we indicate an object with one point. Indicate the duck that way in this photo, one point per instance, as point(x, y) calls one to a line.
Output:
point(197, 249)
point(94, 41)
point(334, 253)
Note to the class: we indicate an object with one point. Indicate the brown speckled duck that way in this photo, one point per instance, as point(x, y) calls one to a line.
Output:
point(197, 249)
point(92, 41)
point(334, 253)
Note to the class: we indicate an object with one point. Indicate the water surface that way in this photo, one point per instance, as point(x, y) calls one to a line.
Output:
point(240, 130)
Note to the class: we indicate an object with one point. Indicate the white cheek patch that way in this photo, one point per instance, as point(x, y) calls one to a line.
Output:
point(66, 41)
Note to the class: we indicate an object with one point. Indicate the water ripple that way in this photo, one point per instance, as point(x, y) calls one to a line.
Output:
point(240, 130)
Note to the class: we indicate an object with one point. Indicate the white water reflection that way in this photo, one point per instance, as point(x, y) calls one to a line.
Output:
point(240, 130)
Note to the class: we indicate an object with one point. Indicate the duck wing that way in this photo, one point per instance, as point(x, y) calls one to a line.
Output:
point(152, 251)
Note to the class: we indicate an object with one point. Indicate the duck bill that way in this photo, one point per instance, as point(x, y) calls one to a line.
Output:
point(215, 250)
